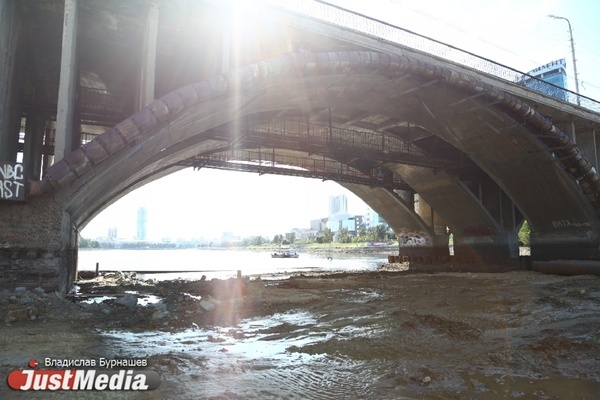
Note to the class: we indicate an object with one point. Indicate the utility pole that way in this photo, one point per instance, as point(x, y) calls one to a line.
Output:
point(573, 53)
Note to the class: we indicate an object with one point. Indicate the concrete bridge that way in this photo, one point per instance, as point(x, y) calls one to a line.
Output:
point(100, 97)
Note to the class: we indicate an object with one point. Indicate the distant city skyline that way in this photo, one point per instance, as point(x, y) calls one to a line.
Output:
point(182, 205)
point(338, 217)
point(338, 204)
point(142, 224)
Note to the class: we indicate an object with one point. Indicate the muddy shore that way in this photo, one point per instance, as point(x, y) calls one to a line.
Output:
point(401, 332)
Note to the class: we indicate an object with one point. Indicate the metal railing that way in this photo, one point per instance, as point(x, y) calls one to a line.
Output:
point(278, 164)
point(330, 141)
point(318, 134)
point(405, 38)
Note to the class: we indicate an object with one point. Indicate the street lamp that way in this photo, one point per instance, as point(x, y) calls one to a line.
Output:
point(573, 53)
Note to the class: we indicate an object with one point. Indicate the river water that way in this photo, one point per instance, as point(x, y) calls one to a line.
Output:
point(222, 264)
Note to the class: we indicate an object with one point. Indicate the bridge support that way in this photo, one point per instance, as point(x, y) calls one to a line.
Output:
point(67, 138)
point(571, 245)
point(38, 246)
point(501, 248)
point(10, 79)
point(423, 246)
point(431, 244)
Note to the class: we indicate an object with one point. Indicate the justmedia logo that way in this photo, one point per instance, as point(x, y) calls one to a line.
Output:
point(78, 379)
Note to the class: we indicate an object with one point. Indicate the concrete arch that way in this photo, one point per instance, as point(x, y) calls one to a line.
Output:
point(148, 144)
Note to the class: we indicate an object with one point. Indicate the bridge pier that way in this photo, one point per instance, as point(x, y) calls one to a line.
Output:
point(572, 245)
point(501, 247)
point(431, 243)
point(38, 246)
point(415, 245)
point(11, 33)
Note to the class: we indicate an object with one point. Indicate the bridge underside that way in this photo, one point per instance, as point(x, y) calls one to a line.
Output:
point(432, 151)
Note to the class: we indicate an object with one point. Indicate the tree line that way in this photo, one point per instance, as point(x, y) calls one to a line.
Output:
point(379, 233)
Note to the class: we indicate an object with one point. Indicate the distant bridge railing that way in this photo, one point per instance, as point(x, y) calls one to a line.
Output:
point(272, 163)
point(335, 142)
point(394, 34)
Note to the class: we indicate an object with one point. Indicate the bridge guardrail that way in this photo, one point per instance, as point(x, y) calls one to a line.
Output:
point(361, 23)
point(334, 135)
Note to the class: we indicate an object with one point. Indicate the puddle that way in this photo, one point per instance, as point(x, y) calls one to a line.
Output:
point(142, 300)
point(97, 300)
point(244, 357)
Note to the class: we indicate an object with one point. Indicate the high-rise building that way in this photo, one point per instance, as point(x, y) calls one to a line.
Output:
point(338, 205)
point(112, 233)
point(372, 219)
point(554, 72)
point(141, 223)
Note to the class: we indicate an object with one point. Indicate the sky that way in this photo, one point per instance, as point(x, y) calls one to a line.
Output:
point(207, 202)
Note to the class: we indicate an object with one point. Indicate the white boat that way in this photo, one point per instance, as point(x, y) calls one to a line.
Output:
point(286, 253)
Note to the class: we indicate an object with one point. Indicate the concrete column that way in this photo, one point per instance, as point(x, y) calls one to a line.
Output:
point(148, 73)
point(10, 32)
point(429, 216)
point(47, 156)
point(570, 131)
point(415, 244)
point(67, 86)
point(32, 157)
point(424, 210)
point(502, 246)
point(423, 244)
point(564, 244)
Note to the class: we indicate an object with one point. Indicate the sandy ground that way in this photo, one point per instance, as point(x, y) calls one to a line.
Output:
point(408, 334)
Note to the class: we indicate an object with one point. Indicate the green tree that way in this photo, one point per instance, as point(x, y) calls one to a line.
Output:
point(381, 232)
point(344, 235)
point(84, 243)
point(371, 235)
point(362, 235)
point(290, 237)
point(327, 235)
point(88, 243)
point(257, 241)
point(524, 234)
point(277, 239)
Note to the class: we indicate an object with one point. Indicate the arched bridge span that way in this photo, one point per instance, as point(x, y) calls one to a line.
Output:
point(511, 161)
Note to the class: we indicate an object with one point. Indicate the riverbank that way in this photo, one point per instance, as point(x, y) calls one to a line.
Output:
point(350, 248)
point(380, 334)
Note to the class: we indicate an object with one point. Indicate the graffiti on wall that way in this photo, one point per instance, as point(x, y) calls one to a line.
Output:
point(414, 239)
point(12, 182)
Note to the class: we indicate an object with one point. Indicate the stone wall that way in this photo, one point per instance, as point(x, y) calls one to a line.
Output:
point(38, 245)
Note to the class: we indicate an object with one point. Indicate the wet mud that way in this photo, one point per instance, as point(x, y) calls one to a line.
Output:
point(400, 332)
